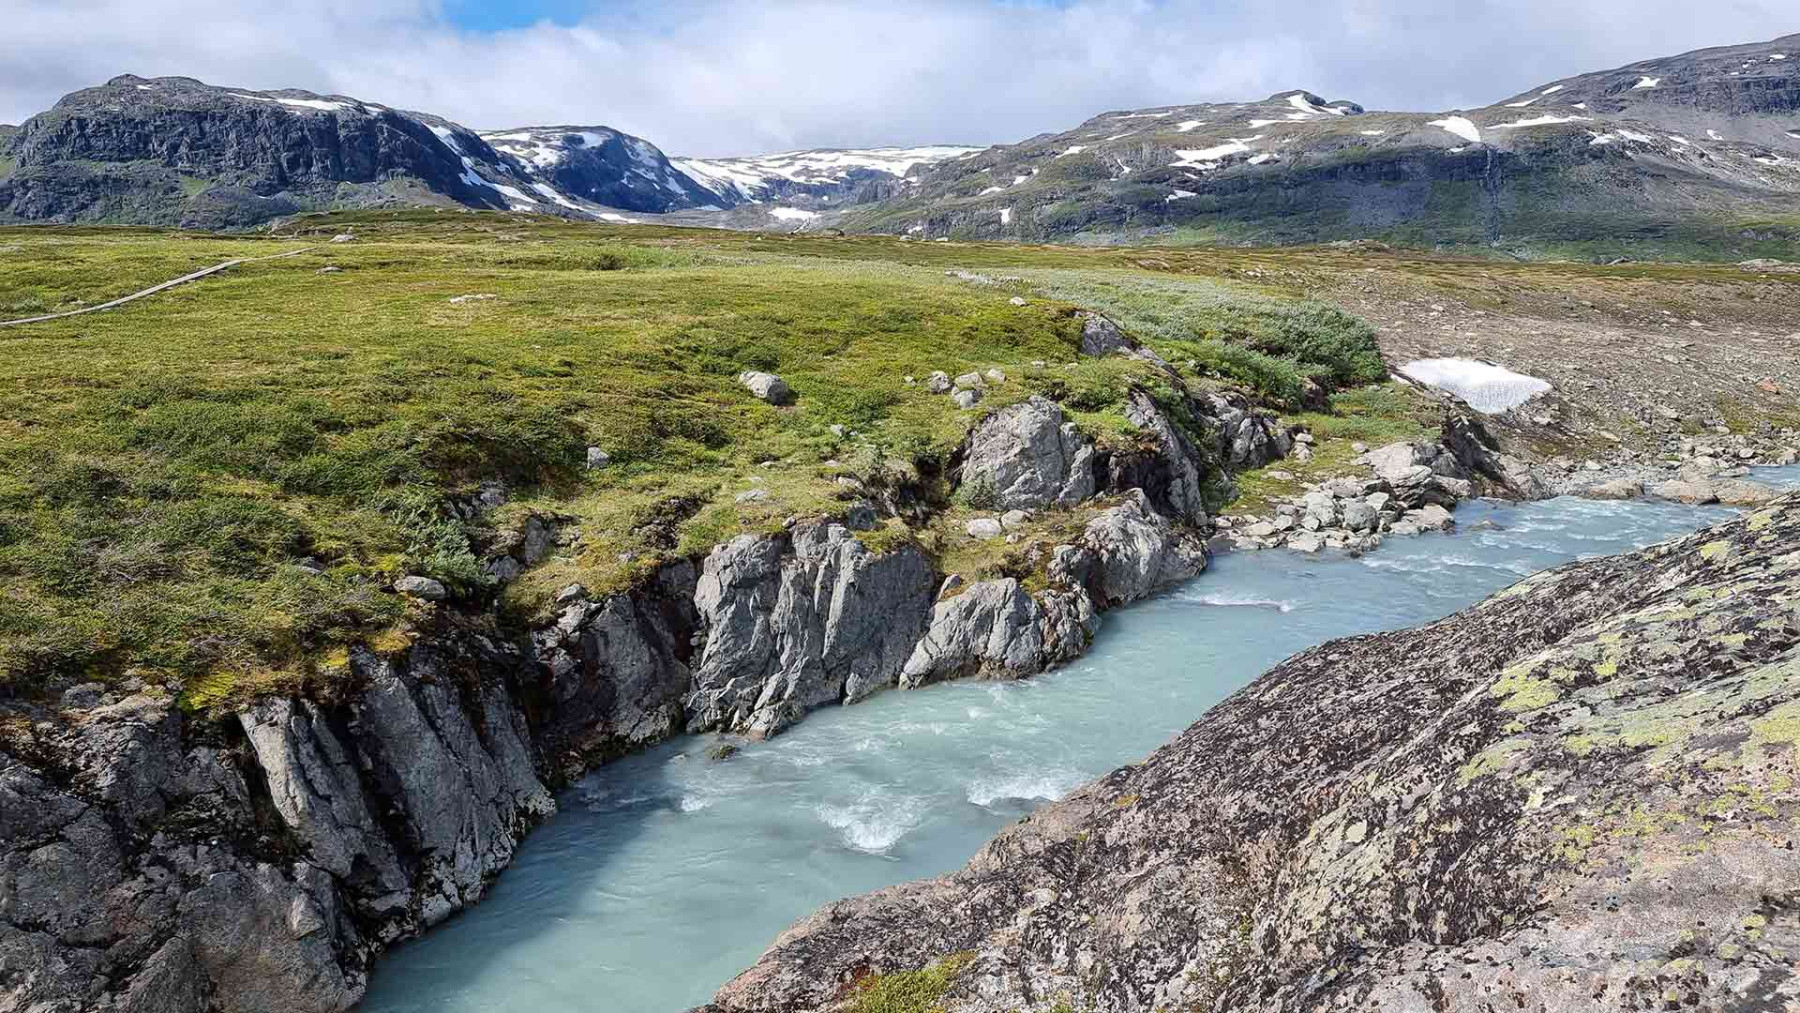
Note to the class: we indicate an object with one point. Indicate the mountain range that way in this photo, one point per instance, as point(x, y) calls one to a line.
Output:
point(1698, 148)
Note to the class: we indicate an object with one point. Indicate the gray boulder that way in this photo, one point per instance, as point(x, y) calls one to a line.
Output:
point(997, 629)
point(767, 387)
point(1741, 493)
point(1027, 456)
point(938, 382)
point(1101, 337)
point(985, 528)
point(1693, 493)
point(1128, 552)
point(1617, 489)
point(1431, 517)
point(421, 587)
point(1359, 515)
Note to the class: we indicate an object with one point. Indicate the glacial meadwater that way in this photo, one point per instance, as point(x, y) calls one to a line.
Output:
point(667, 873)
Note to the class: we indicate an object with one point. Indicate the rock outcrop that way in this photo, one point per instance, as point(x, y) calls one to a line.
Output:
point(1127, 553)
point(615, 671)
point(799, 620)
point(1168, 468)
point(1575, 795)
point(150, 862)
point(1027, 456)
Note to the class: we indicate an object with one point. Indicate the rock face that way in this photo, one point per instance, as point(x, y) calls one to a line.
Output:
point(800, 620)
point(164, 874)
point(1027, 456)
point(993, 629)
point(1575, 795)
point(1170, 471)
point(615, 671)
point(1127, 553)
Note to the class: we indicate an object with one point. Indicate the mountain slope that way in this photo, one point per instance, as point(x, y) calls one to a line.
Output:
point(818, 178)
point(178, 151)
point(604, 166)
point(1714, 142)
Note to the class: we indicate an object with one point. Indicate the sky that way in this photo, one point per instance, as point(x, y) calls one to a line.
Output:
point(734, 77)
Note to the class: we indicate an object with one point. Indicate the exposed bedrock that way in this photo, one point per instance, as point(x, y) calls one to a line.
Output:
point(1574, 795)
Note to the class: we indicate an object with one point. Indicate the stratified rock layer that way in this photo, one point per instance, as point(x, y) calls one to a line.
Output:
point(1575, 795)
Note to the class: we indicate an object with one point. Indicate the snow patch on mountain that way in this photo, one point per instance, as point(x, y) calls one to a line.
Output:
point(323, 105)
point(1487, 388)
point(1538, 121)
point(1199, 157)
point(1646, 83)
point(1461, 126)
point(757, 178)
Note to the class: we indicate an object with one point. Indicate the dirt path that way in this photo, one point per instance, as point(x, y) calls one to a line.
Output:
point(152, 290)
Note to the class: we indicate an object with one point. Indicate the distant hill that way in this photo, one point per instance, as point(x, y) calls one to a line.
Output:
point(1703, 146)
point(1692, 155)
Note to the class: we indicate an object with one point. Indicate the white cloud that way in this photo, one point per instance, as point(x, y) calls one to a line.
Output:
point(711, 77)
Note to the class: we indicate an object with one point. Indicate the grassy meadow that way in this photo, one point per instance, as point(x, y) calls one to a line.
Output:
point(215, 487)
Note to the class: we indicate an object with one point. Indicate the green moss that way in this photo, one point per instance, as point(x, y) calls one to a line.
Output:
point(908, 991)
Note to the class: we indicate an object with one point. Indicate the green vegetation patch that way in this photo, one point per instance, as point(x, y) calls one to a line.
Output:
point(1268, 344)
point(908, 991)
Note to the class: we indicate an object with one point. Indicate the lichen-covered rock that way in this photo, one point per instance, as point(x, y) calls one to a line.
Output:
point(799, 620)
point(1575, 795)
point(1027, 456)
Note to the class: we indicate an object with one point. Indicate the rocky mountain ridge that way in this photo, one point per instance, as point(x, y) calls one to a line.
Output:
point(178, 151)
point(1670, 155)
point(1694, 145)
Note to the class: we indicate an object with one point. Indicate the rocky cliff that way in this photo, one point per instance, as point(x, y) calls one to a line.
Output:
point(156, 859)
point(1575, 795)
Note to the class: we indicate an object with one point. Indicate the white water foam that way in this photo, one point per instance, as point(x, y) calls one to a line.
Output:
point(874, 823)
point(1225, 600)
point(1037, 785)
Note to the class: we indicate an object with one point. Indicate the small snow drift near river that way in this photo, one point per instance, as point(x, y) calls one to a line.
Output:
point(1488, 388)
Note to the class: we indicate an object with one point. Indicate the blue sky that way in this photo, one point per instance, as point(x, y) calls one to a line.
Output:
point(727, 77)
point(494, 15)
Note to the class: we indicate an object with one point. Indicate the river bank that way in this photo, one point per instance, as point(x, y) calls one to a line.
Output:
point(666, 873)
